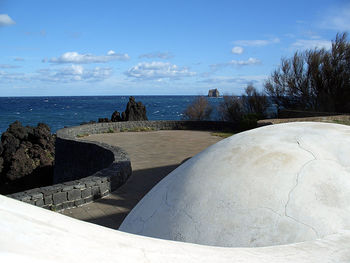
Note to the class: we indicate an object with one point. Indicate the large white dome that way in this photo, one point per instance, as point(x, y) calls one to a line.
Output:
point(274, 185)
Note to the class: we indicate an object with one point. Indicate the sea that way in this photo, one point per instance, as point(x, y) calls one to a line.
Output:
point(60, 112)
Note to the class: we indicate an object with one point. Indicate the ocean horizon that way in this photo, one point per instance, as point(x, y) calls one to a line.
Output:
point(65, 111)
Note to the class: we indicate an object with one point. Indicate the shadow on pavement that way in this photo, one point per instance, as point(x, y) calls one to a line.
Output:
point(114, 208)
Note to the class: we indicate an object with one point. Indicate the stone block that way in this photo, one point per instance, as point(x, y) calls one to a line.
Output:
point(74, 194)
point(59, 198)
point(86, 192)
point(95, 190)
point(25, 198)
point(79, 186)
point(90, 183)
point(67, 188)
point(49, 190)
point(31, 191)
point(79, 202)
point(96, 179)
point(104, 187)
point(37, 196)
point(48, 200)
point(39, 202)
point(88, 199)
point(19, 196)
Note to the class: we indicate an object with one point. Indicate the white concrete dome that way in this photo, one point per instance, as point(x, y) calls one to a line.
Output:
point(274, 185)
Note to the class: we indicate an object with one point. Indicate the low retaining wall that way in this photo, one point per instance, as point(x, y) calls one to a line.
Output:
point(107, 127)
point(85, 171)
point(288, 114)
point(73, 193)
point(319, 119)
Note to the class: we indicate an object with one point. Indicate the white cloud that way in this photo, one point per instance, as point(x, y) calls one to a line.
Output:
point(5, 20)
point(237, 50)
point(256, 43)
point(72, 73)
point(158, 70)
point(238, 63)
point(13, 77)
point(18, 59)
point(161, 55)
point(303, 44)
point(254, 79)
point(7, 66)
point(76, 58)
point(337, 19)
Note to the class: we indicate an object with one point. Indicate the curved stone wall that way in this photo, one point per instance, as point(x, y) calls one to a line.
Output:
point(76, 158)
point(86, 170)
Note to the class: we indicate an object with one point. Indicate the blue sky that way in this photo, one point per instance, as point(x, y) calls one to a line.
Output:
point(155, 47)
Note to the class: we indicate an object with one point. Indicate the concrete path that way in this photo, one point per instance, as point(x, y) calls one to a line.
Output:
point(153, 155)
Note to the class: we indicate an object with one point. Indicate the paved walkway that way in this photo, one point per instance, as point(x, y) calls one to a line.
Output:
point(153, 155)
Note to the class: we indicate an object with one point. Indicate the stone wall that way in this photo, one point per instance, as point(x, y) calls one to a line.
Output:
point(340, 118)
point(73, 193)
point(85, 171)
point(288, 114)
point(107, 127)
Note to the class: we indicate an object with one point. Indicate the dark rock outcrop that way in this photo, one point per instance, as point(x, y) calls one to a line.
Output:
point(103, 120)
point(116, 117)
point(213, 93)
point(135, 111)
point(26, 157)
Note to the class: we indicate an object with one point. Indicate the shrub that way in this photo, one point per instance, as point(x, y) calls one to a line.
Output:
point(199, 110)
point(255, 102)
point(317, 80)
point(231, 109)
point(252, 103)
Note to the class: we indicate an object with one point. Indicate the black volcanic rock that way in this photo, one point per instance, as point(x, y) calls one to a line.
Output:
point(103, 120)
point(116, 117)
point(123, 116)
point(135, 111)
point(1, 164)
point(26, 157)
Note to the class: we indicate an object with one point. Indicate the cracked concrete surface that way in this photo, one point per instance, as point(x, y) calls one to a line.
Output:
point(270, 186)
point(296, 185)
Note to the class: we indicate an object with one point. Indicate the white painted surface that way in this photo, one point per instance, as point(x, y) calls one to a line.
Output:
point(32, 234)
point(275, 185)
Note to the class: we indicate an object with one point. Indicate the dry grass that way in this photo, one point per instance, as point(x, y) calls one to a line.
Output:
point(222, 134)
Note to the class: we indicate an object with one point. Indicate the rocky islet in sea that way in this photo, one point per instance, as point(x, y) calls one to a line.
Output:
point(134, 111)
